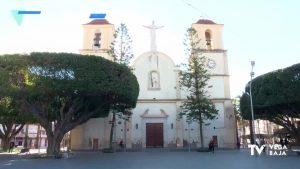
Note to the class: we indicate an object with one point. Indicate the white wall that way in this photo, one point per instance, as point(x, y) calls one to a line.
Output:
point(148, 62)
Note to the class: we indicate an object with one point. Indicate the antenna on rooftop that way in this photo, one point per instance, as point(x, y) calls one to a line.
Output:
point(202, 14)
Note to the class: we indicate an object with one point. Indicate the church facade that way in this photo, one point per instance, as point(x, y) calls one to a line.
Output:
point(154, 122)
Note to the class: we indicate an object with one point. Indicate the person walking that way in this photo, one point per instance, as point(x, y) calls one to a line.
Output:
point(11, 146)
point(238, 144)
point(286, 142)
point(121, 144)
point(263, 143)
point(211, 146)
point(281, 142)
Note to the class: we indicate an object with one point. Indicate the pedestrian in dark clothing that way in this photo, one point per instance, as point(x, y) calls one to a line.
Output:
point(211, 146)
point(11, 146)
point(238, 145)
point(286, 142)
point(281, 142)
point(121, 144)
point(263, 143)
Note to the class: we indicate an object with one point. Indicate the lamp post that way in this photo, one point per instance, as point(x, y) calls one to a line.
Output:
point(252, 114)
point(236, 101)
point(189, 135)
point(125, 132)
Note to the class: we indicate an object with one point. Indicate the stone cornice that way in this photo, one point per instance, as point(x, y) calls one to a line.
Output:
point(177, 100)
point(162, 114)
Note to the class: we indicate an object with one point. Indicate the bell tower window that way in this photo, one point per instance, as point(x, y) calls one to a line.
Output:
point(97, 40)
point(208, 40)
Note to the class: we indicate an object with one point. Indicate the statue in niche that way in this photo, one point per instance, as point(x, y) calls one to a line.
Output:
point(154, 80)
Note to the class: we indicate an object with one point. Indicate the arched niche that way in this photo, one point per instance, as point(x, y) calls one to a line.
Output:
point(154, 80)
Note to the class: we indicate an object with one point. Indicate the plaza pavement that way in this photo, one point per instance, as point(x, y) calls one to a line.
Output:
point(221, 159)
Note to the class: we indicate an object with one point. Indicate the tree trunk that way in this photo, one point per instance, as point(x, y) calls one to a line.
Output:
point(53, 146)
point(37, 136)
point(201, 135)
point(251, 132)
point(112, 130)
point(5, 143)
point(8, 132)
point(244, 133)
point(54, 141)
point(26, 136)
point(201, 132)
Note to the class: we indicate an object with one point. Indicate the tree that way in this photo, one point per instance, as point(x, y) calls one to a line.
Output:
point(240, 121)
point(64, 90)
point(276, 97)
point(12, 121)
point(121, 51)
point(198, 107)
point(246, 113)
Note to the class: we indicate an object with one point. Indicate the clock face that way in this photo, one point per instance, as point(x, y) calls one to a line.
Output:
point(211, 63)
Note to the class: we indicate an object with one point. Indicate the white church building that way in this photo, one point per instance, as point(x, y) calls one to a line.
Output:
point(154, 122)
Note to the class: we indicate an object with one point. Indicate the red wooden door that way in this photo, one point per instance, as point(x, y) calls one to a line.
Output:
point(154, 135)
point(215, 139)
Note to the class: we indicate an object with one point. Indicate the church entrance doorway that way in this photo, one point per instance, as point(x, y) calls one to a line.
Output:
point(154, 135)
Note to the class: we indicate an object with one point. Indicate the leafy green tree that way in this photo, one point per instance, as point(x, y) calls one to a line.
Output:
point(198, 107)
point(64, 90)
point(276, 97)
point(121, 51)
point(12, 121)
point(121, 48)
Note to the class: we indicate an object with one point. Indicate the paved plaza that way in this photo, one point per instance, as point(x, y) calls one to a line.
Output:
point(225, 159)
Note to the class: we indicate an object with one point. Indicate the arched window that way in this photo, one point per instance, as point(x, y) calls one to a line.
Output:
point(208, 39)
point(97, 39)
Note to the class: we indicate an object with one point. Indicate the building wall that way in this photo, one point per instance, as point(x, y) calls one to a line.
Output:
point(164, 65)
point(154, 112)
point(107, 36)
point(32, 137)
point(87, 135)
point(107, 32)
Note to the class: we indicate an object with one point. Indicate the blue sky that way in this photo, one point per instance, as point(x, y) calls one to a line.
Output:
point(265, 31)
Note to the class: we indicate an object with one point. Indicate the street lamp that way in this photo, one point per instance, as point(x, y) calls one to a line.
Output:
point(252, 114)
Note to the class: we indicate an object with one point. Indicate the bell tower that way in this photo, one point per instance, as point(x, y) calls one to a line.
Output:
point(210, 34)
point(211, 46)
point(97, 38)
